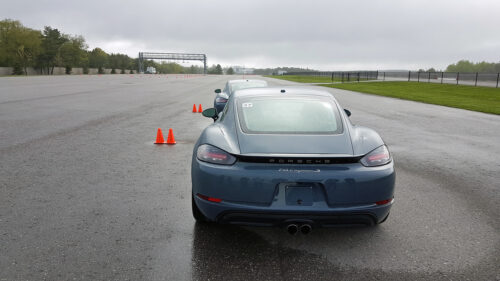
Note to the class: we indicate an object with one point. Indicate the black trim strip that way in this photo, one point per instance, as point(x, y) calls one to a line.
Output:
point(277, 218)
point(299, 160)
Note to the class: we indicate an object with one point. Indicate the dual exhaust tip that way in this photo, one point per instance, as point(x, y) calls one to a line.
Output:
point(294, 229)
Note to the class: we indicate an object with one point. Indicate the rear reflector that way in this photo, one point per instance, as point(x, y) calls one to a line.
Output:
point(208, 198)
point(383, 202)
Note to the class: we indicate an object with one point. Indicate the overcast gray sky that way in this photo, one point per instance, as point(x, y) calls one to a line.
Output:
point(326, 35)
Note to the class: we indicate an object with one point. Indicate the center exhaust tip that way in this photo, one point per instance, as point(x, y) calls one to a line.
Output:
point(305, 228)
point(292, 229)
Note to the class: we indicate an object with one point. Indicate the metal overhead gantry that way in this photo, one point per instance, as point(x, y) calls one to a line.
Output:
point(171, 56)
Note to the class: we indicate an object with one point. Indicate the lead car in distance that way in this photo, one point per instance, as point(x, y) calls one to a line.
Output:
point(221, 97)
point(290, 157)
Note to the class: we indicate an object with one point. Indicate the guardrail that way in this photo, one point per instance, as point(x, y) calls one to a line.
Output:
point(340, 76)
point(458, 78)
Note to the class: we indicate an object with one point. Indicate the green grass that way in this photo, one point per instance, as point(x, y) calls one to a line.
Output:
point(483, 99)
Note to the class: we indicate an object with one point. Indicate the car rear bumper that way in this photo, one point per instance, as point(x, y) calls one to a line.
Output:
point(259, 194)
point(242, 214)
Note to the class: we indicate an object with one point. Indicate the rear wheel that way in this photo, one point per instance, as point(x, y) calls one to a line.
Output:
point(197, 214)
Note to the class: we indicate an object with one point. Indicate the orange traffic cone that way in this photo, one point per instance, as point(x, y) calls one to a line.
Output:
point(170, 138)
point(200, 109)
point(194, 108)
point(159, 137)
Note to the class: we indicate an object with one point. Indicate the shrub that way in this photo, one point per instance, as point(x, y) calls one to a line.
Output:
point(113, 71)
point(131, 71)
point(100, 70)
point(123, 71)
point(85, 70)
point(68, 69)
point(17, 70)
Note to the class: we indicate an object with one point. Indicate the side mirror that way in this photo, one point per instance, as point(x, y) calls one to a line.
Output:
point(211, 113)
point(347, 112)
point(218, 91)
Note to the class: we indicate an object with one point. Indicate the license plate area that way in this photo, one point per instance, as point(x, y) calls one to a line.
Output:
point(299, 195)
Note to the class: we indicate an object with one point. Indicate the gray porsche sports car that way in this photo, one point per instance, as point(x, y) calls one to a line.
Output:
point(289, 157)
point(221, 97)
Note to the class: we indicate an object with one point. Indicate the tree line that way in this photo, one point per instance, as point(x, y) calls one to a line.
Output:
point(172, 67)
point(272, 71)
point(23, 47)
point(468, 66)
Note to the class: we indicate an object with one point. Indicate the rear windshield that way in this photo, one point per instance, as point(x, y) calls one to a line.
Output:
point(289, 116)
point(247, 85)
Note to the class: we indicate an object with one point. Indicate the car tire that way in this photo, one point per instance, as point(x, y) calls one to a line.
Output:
point(382, 221)
point(197, 214)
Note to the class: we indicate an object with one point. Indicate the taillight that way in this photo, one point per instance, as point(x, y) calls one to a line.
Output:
point(377, 157)
point(208, 198)
point(383, 202)
point(212, 154)
point(220, 100)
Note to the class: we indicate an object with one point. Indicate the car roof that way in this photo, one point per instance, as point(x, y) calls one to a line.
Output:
point(278, 92)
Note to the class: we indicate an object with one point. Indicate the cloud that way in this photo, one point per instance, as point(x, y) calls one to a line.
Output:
point(329, 35)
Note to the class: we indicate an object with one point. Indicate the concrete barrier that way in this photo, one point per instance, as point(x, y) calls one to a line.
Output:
point(4, 71)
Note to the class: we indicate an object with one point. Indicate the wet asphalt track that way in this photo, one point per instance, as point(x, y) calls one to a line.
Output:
point(85, 195)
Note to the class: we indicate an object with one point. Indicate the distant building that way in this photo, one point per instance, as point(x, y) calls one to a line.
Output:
point(242, 70)
point(281, 72)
